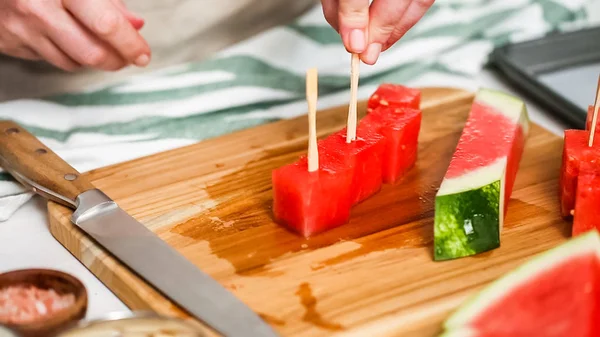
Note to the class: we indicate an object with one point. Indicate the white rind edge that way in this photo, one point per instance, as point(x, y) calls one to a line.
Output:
point(583, 244)
point(475, 179)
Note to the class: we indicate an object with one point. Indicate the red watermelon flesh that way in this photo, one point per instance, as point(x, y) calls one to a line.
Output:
point(574, 143)
point(590, 119)
point(501, 136)
point(471, 332)
point(512, 167)
point(400, 127)
point(587, 201)
point(364, 156)
point(394, 95)
point(312, 202)
point(575, 150)
point(483, 123)
point(572, 287)
point(555, 294)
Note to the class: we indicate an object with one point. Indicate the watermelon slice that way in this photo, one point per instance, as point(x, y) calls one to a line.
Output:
point(466, 332)
point(587, 206)
point(400, 128)
point(395, 96)
point(575, 151)
point(364, 156)
point(312, 202)
point(472, 200)
point(555, 294)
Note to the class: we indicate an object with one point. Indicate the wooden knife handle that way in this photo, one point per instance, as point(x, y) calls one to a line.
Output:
point(37, 167)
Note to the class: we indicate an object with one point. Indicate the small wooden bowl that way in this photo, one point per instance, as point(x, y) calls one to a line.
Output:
point(60, 282)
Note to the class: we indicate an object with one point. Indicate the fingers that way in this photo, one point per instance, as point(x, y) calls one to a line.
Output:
point(330, 11)
point(413, 14)
point(27, 42)
point(385, 15)
point(49, 52)
point(13, 34)
point(135, 20)
point(23, 53)
point(370, 30)
point(83, 47)
point(353, 20)
point(105, 20)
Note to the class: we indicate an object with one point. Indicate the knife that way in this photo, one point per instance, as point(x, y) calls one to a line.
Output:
point(44, 172)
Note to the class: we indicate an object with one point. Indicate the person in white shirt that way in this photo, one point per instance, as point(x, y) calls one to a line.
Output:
point(103, 35)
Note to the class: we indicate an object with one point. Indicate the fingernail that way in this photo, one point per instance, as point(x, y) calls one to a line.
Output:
point(142, 60)
point(372, 53)
point(135, 16)
point(136, 23)
point(357, 40)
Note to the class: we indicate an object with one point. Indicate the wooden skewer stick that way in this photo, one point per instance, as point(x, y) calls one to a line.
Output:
point(352, 115)
point(595, 118)
point(597, 92)
point(312, 92)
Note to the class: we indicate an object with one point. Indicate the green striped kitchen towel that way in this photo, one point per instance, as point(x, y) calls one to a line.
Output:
point(262, 79)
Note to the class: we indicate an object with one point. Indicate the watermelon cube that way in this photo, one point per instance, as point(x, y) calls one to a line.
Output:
point(400, 129)
point(394, 95)
point(575, 150)
point(587, 200)
point(312, 202)
point(590, 119)
point(364, 156)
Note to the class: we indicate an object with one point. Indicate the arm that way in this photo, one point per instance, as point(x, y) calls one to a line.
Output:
point(70, 34)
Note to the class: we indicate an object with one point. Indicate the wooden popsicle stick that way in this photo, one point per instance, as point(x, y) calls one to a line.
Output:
point(595, 117)
point(312, 92)
point(352, 114)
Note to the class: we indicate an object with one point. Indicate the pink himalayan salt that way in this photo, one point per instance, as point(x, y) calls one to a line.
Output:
point(24, 304)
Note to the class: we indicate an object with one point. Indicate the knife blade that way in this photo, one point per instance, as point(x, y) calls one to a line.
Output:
point(44, 172)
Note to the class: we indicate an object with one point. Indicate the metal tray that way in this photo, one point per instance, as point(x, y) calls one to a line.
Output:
point(559, 71)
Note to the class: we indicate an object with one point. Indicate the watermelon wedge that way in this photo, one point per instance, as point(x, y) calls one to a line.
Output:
point(312, 202)
point(364, 156)
point(555, 294)
point(472, 200)
point(400, 128)
point(395, 96)
point(587, 206)
point(575, 151)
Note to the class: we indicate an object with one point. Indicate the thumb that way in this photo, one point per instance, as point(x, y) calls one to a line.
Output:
point(135, 20)
point(353, 16)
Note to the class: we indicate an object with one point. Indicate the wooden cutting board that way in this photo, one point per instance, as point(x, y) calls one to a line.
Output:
point(372, 277)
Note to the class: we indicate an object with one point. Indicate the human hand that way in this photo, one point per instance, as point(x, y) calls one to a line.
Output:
point(69, 34)
point(370, 30)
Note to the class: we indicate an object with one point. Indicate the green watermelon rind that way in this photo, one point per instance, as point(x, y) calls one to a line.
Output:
point(467, 222)
point(497, 290)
